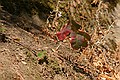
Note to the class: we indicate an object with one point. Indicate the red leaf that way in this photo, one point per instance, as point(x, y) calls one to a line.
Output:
point(72, 36)
point(64, 32)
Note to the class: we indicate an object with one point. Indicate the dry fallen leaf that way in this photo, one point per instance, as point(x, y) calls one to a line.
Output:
point(105, 77)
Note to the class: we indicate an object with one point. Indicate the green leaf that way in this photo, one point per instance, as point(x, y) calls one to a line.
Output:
point(87, 36)
point(41, 54)
point(78, 41)
point(75, 26)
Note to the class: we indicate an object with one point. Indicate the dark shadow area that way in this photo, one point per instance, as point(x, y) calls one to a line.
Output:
point(26, 14)
point(16, 7)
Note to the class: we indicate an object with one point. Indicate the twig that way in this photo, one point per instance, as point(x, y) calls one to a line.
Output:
point(56, 14)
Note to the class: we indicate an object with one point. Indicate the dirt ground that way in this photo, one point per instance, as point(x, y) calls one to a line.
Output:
point(19, 49)
point(20, 42)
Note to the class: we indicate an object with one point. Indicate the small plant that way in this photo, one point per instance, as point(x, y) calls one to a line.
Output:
point(41, 54)
point(2, 29)
point(42, 57)
point(77, 38)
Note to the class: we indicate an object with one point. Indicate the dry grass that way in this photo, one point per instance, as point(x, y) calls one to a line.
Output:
point(95, 19)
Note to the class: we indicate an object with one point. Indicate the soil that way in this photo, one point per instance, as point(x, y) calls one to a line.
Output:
point(21, 39)
point(19, 45)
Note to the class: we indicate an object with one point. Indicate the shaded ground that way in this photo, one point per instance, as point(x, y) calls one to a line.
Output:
point(22, 38)
point(18, 50)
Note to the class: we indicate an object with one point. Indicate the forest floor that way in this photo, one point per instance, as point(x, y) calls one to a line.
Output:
point(21, 42)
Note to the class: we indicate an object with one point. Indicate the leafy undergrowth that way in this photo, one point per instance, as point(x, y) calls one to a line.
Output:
point(72, 45)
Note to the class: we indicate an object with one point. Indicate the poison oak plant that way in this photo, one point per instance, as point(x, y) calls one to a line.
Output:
point(77, 38)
